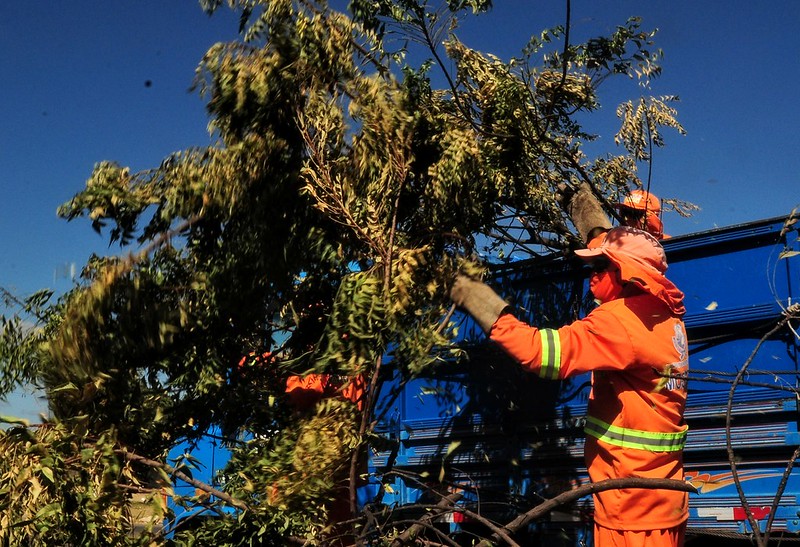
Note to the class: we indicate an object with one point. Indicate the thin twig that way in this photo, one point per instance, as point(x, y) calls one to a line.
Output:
point(779, 493)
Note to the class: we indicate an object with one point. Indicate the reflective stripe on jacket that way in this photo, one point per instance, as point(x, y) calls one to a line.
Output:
point(653, 441)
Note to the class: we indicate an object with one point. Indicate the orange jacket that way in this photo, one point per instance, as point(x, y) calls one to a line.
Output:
point(306, 391)
point(635, 424)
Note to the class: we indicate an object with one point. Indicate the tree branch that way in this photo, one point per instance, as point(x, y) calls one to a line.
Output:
point(130, 456)
point(591, 488)
point(445, 504)
point(759, 538)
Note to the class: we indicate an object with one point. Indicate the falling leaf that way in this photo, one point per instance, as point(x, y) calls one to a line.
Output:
point(452, 447)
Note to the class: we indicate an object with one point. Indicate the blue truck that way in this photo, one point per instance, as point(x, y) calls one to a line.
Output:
point(507, 440)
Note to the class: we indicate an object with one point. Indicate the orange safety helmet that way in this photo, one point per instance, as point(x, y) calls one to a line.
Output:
point(642, 201)
point(641, 209)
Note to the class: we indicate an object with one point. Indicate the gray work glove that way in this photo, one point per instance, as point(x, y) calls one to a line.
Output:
point(585, 211)
point(479, 300)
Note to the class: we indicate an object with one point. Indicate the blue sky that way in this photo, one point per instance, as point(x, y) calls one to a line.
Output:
point(92, 80)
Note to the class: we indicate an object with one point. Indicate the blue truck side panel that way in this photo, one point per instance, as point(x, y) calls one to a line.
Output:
point(504, 435)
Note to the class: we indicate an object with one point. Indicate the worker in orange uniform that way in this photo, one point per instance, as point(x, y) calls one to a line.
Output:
point(306, 391)
point(303, 392)
point(641, 209)
point(634, 344)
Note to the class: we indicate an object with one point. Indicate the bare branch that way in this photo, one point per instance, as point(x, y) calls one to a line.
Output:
point(592, 488)
point(758, 536)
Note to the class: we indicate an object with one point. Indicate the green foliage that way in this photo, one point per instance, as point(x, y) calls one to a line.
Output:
point(320, 232)
point(59, 488)
point(293, 481)
point(20, 345)
point(641, 125)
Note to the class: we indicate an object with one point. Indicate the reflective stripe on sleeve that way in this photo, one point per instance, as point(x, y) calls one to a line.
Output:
point(551, 354)
point(635, 438)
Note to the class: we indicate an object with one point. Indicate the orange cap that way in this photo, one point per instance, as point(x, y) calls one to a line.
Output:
point(629, 248)
point(641, 201)
point(642, 210)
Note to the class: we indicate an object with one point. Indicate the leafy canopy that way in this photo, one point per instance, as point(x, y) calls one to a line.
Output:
point(319, 233)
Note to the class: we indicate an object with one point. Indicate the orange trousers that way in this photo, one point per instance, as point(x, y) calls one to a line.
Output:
point(670, 537)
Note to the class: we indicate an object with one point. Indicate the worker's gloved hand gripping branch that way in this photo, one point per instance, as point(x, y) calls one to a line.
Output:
point(479, 300)
point(483, 304)
point(584, 209)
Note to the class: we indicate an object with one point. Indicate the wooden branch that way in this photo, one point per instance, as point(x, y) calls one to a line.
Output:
point(779, 494)
point(496, 530)
point(372, 391)
point(592, 488)
point(130, 456)
point(446, 320)
point(446, 504)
